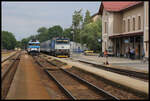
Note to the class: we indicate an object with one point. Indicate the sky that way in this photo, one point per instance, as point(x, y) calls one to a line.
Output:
point(24, 18)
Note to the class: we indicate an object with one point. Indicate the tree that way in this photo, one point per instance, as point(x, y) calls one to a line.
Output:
point(42, 30)
point(90, 35)
point(77, 20)
point(67, 33)
point(87, 18)
point(24, 43)
point(42, 34)
point(8, 40)
point(18, 44)
point(55, 31)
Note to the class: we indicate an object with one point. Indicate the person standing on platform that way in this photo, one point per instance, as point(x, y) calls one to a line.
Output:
point(129, 55)
point(127, 52)
point(106, 55)
point(132, 53)
point(136, 52)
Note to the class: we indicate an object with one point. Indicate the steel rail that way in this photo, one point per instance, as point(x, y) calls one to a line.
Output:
point(9, 57)
point(101, 91)
point(9, 67)
point(120, 71)
point(58, 83)
point(61, 86)
point(10, 72)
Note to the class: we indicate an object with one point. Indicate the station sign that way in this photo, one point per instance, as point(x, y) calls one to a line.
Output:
point(126, 41)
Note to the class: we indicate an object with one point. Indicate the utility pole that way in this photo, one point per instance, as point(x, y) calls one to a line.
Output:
point(73, 39)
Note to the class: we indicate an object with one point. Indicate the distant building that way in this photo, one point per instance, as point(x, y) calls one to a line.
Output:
point(125, 24)
point(77, 47)
point(95, 16)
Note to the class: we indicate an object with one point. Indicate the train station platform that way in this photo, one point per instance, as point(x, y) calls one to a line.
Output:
point(27, 83)
point(121, 63)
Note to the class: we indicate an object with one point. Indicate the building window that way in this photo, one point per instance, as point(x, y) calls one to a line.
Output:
point(128, 25)
point(133, 24)
point(105, 27)
point(139, 22)
point(124, 26)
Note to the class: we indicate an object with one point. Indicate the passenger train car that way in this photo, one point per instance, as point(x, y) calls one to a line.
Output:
point(56, 47)
point(33, 47)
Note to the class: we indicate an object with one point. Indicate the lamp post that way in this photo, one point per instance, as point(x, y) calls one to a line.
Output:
point(99, 40)
point(72, 40)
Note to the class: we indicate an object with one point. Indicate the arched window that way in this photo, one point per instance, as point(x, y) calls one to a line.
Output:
point(128, 25)
point(139, 22)
point(133, 24)
point(124, 25)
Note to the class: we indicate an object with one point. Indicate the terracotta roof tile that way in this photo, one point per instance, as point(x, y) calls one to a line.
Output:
point(118, 6)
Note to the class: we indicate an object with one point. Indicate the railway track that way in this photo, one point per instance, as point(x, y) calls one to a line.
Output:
point(8, 58)
point(9, 72)
point(70, 84)
point(134, 74)
point(75, 87)
point(78, 88)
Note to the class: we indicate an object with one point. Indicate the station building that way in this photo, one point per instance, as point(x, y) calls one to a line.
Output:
point(125, 25)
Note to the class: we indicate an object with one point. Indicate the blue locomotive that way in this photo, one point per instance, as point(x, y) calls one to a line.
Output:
point(56, 47)
point(33, 47)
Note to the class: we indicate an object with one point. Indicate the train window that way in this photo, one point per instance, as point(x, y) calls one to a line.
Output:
point(62, 41)
point(34, 44)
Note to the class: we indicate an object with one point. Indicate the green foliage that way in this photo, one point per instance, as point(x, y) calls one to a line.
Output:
point(8, 40)
point(90, 35)
point(55, 31)
point(90, 31)
point(42, 34)
point(87, 18)
point(18, 44)
point(24, 43)
point(77, 20)
point(42, 30)
point(67, 33)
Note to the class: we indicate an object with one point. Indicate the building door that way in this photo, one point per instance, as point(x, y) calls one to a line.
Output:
point(121, 47)
point(141, 46)
point(139, 50)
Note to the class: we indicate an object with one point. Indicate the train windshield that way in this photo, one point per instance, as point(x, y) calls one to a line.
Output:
point(34, 44)
point(62, 41)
